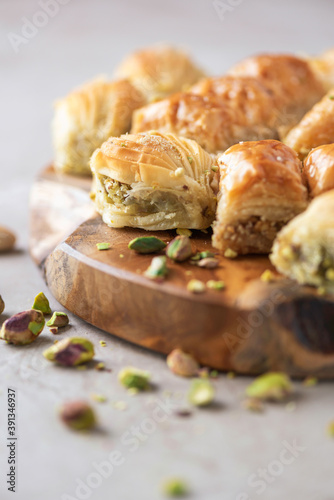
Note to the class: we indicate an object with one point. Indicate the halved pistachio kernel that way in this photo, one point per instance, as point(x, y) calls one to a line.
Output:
point(78, 415)
point(23, 328)
point(59, 319)
point(196, 286)
point(208, 263)
point(71, 351)
point(103, 246)
point(230, 254)
point(179, 249)
point(157, 269)
point(147, 244)
point(201, 392)
point(133, 378)
point(267, 276)
point(42, 304)
point(215, 285)
point(175, 488)
point(182, 364)
point(184, 232)
point(272, 386)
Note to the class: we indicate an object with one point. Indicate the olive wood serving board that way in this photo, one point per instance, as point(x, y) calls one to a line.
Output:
point(250, 327)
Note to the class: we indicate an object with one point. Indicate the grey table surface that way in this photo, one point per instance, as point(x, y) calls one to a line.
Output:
point(224, 452)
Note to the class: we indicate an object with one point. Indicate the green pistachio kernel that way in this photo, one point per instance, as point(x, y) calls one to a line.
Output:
point(41, 303)
point(215, 285)
point(196, 286)
point(201, 392)
point(272, 386)
point(23, 328)
point(230, 254)
point(147, 244)
point(59, 319)
point(184, 232)
point(157, 269)
point(179, 249)
point(71, 351)
point(78, 415)
point(103, 246)
point(175, 488)
point(133, 378)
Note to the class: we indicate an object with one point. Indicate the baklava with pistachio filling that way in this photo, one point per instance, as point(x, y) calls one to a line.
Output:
point(304, 249)
point(261, 189)
point(153, 181)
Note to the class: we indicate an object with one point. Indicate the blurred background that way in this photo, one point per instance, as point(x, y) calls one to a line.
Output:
point(43, 58)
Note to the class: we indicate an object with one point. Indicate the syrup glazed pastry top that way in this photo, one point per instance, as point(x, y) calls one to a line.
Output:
point(88, 116)
point(153, 181)
point(261, 189)
point(159, 71)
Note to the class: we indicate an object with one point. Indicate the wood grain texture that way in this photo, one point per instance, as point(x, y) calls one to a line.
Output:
point(250, 327)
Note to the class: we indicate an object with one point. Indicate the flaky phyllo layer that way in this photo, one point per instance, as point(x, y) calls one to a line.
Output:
point(153, 181)
point(304, 249)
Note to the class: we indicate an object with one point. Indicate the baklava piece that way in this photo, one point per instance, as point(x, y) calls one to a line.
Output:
point(319, 170)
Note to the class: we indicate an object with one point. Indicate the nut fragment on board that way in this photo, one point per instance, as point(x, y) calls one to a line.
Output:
point(7, 239)
point(71, 351)
point(179, 249)
point(59, 319)
point(196, 286)
point(182, 364)
point(23, 328)
point(272, 386)
point(175, 487)
point(133, 378)
point(78, 415)
point(41, 303)
point(147, 244)
point(157, 270)
point(201, 392)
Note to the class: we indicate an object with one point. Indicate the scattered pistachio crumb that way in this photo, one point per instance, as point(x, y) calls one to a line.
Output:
point(100, 366)
point(230, 375)
point(215, 285)
point(267, 276)
point(310, 381)
point(203, 373)
point(214, 168)
point(103, 246)
point(190, 159)
point(214, 374)
point(103, 343)
point(133, 391)
point(121, 255)
point(201, 392)
point(253, 404)
point(123, 144)
point(188, 273)
point(272, 386)
point(196, 286)
point(134, 378)
point(331, 97)
point(290, 406)
point(56, 341)
point(81, 367)
point(99, 398)
point(54, 330)
point(175, 488)
point(119, 405)
point(184, 232)
point(330, 429)
point(230, 254)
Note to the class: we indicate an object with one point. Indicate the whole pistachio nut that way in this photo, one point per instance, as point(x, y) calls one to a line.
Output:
point(59, 319)
point(147, 244)
point(133, 378)
point(41, 303)
point(201, 392)
point(157, 269)
point(71, 351)
point(23, 328)
point(78, 415)
point(272, 386)
point(182, 364)
point(2, 305)
point(179, 249)
point(7, 239)
point(208, 263)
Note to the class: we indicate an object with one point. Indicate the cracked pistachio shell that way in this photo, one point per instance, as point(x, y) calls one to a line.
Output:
point(273, 386)
point(59, 319)
point(179, 249)
point(147, 244)
point(78, 415)
point(201, 392)
point(41, 303)
point(182, 364)
point(71, 351)
point(133, 378)
point(23, 328)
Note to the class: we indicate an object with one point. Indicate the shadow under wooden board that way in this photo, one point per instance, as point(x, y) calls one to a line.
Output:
point(250, 327)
